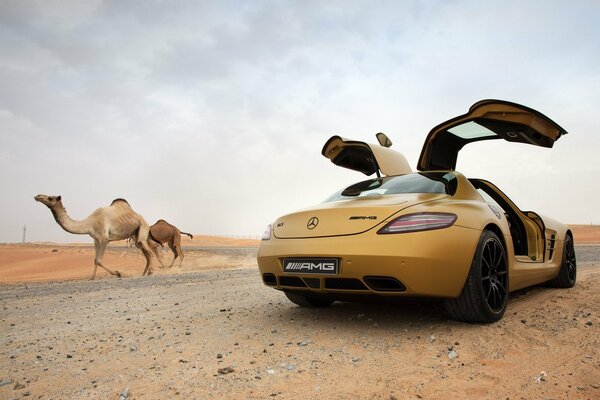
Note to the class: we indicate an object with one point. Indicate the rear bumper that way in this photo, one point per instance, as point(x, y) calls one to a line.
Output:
point(431, 263)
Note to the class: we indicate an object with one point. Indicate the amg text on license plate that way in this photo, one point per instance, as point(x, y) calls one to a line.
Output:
point(311, 265)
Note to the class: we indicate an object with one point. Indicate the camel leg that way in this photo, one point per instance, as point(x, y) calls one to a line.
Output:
point(148, 255)
point(154, 245)
point(155, 251)
point(100, 248)
point(142, 240)
point(174, 250)
point(95, 260)
point(139, 244)
point(180, 255)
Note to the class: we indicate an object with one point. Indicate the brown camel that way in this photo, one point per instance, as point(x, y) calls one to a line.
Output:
point(106, 224)
point(162, 232)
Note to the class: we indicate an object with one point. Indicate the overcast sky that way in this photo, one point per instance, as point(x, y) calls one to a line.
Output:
point(212, 115)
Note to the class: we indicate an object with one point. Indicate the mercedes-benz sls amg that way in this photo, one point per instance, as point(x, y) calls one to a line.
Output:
point(432, 233)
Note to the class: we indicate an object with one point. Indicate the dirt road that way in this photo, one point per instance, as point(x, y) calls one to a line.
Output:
point(223, 335)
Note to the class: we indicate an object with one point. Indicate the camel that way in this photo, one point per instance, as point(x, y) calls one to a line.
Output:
point(106, 224)
point(162, 232)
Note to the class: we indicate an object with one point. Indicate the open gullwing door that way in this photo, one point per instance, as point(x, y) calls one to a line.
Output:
point(365, 157)
point(486, 120)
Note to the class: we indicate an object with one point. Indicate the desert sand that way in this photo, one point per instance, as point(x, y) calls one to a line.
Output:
point(43, 262)
point(586, 234)
point(211, 330)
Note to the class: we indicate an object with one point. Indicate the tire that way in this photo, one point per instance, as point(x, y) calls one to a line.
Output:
point(485, 294)
point(310, 301)
point(567, 274)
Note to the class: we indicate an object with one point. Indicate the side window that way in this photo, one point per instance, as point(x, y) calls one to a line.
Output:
point(488, 199)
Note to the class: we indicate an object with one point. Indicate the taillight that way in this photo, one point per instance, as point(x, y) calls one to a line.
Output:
point(419, 222)
point(267, 233)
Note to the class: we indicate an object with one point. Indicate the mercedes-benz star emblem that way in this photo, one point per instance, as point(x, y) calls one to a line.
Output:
point(312, 223)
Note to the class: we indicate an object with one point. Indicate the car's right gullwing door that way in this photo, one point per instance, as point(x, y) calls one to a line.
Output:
point(486, 120)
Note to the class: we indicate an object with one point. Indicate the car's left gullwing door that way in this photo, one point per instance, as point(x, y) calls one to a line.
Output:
point(365, 157)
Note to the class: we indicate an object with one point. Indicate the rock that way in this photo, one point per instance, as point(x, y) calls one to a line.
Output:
point(541, 377)
point(226, 370)
point(432, 338)
point(452, 354)
point(270, 371)
point(18, 386)
point(219, 355)
point(304, 343)
point(4, 382)
point(589, 323)
point(124, 394)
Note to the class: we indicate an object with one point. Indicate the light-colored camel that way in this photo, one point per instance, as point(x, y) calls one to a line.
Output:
point(162, 232)
point(106, 224)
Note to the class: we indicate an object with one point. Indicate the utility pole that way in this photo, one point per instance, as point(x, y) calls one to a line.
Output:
point(24, 232)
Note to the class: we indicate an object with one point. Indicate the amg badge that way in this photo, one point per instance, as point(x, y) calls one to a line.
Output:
point(311, 265)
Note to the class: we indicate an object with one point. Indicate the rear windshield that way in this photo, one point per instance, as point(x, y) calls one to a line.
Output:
point(422, 182)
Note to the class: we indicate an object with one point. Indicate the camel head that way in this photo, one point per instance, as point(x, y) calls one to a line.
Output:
point(50, 201)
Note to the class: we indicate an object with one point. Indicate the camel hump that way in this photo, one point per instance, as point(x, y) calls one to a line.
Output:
point(119, 200)
point(161, 223)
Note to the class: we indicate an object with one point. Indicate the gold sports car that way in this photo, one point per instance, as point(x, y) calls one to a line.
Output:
point(432, 233)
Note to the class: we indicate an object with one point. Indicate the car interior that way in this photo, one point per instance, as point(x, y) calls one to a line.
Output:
point(526, 228)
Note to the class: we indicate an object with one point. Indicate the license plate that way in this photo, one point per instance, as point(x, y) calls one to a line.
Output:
point(327, 266)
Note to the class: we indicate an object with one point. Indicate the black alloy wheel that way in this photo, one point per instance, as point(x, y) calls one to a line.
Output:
point(494, 273)
point(567, 275)
point(485, 294)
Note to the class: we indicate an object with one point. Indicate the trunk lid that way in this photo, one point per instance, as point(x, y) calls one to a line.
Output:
point(347, 217)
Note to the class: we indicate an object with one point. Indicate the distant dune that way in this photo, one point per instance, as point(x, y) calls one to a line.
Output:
point(586, 234)
point(39, 262)
point(199, 240)
point(45, 261)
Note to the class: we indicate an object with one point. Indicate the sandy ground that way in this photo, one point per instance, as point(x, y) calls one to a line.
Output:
point(211, 330)
point(44, 262)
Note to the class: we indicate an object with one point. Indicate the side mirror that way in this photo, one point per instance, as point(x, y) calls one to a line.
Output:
point(383, 139)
